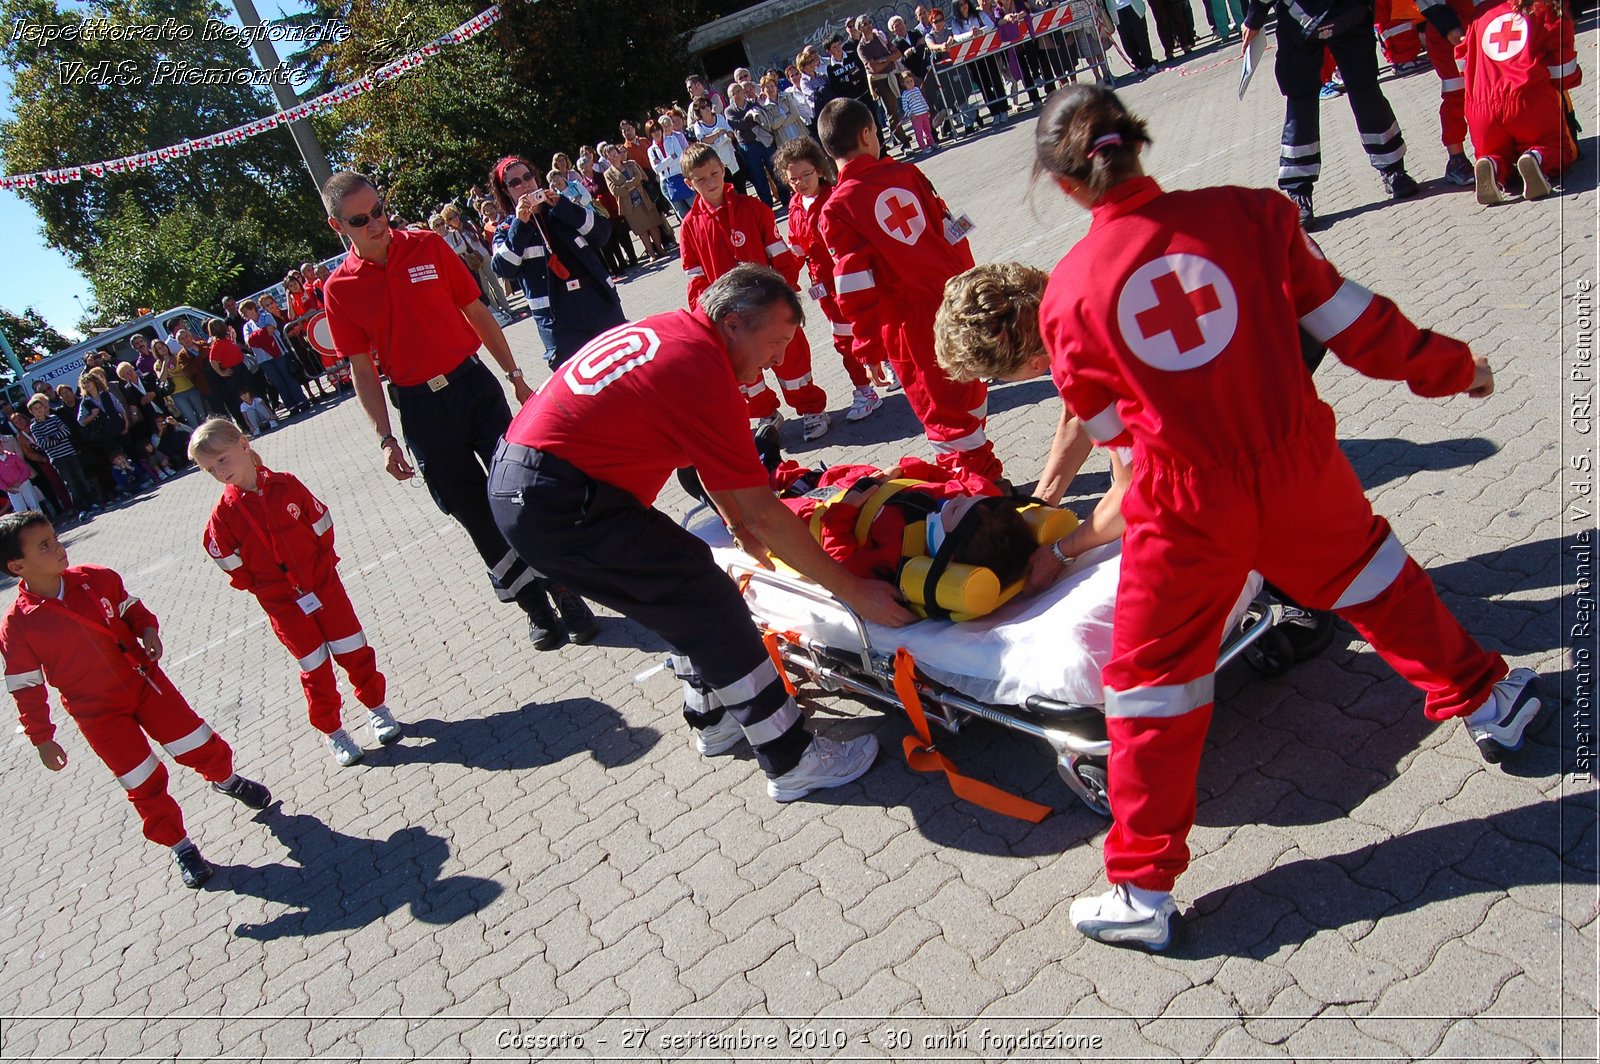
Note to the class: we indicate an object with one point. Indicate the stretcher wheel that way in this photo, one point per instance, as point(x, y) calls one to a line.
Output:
point(1273, 654)
point(1088, 781)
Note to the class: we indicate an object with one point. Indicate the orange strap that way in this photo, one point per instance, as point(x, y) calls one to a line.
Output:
point(770, 638)
point(922, 757)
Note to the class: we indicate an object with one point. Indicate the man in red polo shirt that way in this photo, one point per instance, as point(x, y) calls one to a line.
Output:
point(406, 297)
point(573, 484)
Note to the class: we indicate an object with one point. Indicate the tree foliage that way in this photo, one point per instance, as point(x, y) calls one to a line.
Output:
point(254, 198)
point(31, 337)
point(181, 257)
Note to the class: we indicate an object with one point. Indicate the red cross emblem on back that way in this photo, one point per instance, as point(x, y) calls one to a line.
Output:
point(899, 214)
point(1506, 37)
point(1177, 312)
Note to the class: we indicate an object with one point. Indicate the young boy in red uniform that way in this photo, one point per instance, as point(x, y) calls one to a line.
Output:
point(723, 229)
point(894, 245)
point(274, 539)
point(77, 629)
point(808, 172)
point(1520, 60)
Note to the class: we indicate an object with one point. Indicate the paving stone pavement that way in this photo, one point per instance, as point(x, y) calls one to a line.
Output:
point(544, 864)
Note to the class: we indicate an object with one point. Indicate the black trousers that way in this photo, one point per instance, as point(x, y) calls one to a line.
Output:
point(1299, 71)
point(452, 434)
point(1135, 34)
point(602, 543)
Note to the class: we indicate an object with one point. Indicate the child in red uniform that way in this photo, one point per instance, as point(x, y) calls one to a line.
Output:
point(723, 229)
point(275, 540)
point(807, 170)
point(894, 245)
point(1172, 328)
point(1520, 60)
point(77, 629)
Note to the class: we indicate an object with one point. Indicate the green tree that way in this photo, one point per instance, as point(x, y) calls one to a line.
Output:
point(31, 337)
point(256, 195)
point(181, 257)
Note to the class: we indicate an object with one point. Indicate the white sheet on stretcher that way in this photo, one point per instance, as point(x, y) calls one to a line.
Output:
point(1053, 644)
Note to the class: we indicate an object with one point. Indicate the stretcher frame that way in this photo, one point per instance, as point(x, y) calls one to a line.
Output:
point(1075, 732)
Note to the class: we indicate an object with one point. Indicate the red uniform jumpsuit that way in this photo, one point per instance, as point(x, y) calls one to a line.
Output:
point(1396, 23)
point(808, 244)
point(83, 644)
point(277, 543)
point(1172, 327)
point(1517, 67)
point(885, 228)
point(714, 241)
point(1442, 54)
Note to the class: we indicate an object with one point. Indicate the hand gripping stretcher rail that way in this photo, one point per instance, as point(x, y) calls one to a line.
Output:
point(1032, 666)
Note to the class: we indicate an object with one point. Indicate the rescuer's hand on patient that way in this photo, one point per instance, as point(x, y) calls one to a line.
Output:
point(879, 603)
point(751, 544)
point(1044, 570)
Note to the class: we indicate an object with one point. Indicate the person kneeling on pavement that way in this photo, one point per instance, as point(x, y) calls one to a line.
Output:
point(572, 488)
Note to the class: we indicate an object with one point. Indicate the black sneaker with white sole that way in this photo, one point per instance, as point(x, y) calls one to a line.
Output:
point(1399, 184)
point(1308, 216)
point(1511, 712)
point(246, 792)
point(193, 868)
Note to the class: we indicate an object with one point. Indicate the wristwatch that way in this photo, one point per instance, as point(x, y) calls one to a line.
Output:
point(514, 375)
point(1055, 548)
point(386, 440)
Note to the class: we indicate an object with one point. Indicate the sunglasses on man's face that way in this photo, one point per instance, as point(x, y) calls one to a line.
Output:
point(360, 221)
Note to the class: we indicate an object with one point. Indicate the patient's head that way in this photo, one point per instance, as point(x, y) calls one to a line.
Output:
point(999, 539)
point(988, 324)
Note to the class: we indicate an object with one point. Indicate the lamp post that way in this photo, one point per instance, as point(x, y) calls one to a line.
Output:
point(305, 138)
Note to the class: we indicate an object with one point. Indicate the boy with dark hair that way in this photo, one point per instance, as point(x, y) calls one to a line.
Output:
point(723, 229)
point(77, 628)
point(894, 245)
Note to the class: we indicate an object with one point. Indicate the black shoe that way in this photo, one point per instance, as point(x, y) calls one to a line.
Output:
point(1399, 184)
point(246, 792)
point(1302, 200)
point(544, 628)
point(576, 616)
point(191, 866)
point(769, 447)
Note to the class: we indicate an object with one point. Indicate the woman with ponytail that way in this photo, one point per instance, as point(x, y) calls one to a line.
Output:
point(1172, 329)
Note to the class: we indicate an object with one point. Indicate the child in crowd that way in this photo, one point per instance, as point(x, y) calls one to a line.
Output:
point(915, 107)
point(1520, 60)
point(77, 629)
point(128, 477)
point(16, 477)
point(255, 412)
point(55, 439)
point(274, 539)
point(172, 442)
point(894, 246)
point(723, 229)
point(808, 171)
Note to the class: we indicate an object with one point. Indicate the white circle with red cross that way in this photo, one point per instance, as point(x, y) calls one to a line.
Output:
point(736, 237)
point(1177, 312)
point(1506, 37)
point(609, 356)
point(900, 215)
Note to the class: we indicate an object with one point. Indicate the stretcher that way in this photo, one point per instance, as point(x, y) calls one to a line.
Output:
point(1032, 666)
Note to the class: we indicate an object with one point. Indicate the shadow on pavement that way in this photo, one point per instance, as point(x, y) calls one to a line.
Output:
point(340, 882)
point(538, 734)
point(1379, 461)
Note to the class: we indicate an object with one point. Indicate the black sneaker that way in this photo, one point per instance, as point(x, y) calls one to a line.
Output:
point(191, 866)
point(1513, 708)
point(1302, 200)
point(576, 616)
point(246, 792)
point(544, 628)
point(1399, 184)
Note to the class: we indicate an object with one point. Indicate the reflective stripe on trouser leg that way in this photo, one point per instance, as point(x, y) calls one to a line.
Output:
point(794, 377)
point(759, 400)
point(700, 706)
point(942, 405)
point(165, 717)
point(337, 621)
point(160, 816)
point(302, 635)
point(1357, 57)
point(844, 343)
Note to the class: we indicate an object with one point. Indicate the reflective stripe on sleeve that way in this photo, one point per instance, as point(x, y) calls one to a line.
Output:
point(842, 328)
point(324, 523)
point(1376, 576)
point(506, 255)
point(135, 776)
point(1564, 70)
point(21, 681)
point(193, 741)
point(588, 221)
point(1338, 313)
point(1449, 85)
point(776, 248)
point(970, 442)
point(1162, 700)
point(693, 271)
point(1106, 425)
point(230, 562)
point(859, 281)
point(127, 604)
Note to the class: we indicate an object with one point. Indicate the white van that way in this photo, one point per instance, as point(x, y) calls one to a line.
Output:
point(64, 367)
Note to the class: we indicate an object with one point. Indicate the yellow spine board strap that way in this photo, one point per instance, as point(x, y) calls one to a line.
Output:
point(953, 542)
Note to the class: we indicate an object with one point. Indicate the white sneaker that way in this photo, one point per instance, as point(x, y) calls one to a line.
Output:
point(824, 764)
point(894, 379)
point(1489, 191)
point(865, 403)
point(774, 420)
point(345, 749)
point(1502, 723)
point(814, 426)
point(385, 728)
point(720, 737)
point(1117, 918)
point(1534, 184)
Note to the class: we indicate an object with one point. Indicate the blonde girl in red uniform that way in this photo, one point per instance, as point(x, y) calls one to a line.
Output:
point(1172, 329)
point(274, 539)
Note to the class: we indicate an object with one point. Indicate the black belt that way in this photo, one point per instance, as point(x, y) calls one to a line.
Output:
point(547, 464)
point(441, 382)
